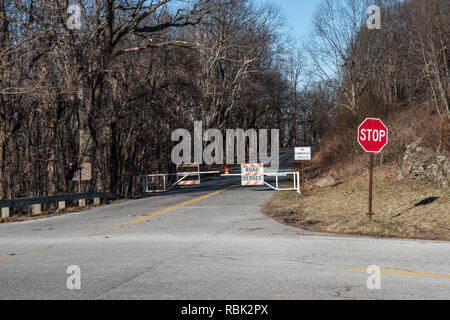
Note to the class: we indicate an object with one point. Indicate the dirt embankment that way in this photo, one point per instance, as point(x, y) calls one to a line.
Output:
point(403, 209)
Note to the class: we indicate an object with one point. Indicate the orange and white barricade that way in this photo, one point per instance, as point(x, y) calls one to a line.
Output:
point(190, 171)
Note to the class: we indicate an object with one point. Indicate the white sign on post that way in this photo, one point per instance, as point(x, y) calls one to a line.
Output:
point(252, 174)
point(303, 153)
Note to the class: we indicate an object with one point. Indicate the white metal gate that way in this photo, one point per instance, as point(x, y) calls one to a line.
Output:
point(277, 175)
point(183, 179)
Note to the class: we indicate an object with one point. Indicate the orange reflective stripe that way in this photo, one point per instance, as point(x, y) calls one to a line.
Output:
point(253, 183)
point(251, 174)
point(188, 165)
point(187, 183)
point(252, 165)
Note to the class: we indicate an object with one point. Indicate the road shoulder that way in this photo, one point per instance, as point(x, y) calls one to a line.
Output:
point(403, 209)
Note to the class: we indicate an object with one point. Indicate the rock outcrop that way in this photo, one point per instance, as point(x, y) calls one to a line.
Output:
point(420, 166)
point(325, 182)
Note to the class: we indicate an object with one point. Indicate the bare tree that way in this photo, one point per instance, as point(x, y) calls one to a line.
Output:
point(340, 58)
point(294, 71)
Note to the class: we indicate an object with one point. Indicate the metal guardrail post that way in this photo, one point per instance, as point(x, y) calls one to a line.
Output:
point(36, 209)
point(62, 205)
point(5, 212)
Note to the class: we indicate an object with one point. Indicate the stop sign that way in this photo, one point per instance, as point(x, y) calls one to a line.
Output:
point(372, 135)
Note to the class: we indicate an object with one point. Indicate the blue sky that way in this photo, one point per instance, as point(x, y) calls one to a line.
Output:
point(299, 15)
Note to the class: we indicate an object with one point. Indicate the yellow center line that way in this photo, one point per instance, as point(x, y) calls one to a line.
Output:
point(402, 272)
point(5, 258)
point(284, 155)
point(154, 214)
point(160, 212)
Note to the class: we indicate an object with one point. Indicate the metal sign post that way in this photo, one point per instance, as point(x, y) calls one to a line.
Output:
point(303, 175)
point(79, 179)
point(370, 214)
point(303, 154)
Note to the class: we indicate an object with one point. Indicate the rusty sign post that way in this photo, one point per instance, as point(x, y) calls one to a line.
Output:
point(79, 179)
point(370, 214)
point(302, 177)
point(302, 154)
point(373, 137)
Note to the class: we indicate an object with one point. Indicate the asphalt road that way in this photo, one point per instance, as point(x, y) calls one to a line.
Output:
point(209, 242)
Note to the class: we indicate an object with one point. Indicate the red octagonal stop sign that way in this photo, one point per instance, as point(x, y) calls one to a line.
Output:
point(372, 135)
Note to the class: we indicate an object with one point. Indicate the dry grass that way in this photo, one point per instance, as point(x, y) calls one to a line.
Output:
point(343, 208)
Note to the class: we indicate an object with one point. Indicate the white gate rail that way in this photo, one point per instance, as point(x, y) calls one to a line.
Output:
point(145, 180)
point(277, 175)
point(296, 178)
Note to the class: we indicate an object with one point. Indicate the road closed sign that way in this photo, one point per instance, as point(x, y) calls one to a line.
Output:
point(252, 174)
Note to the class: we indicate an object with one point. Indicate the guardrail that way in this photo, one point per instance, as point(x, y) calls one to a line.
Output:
point(36, 202)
